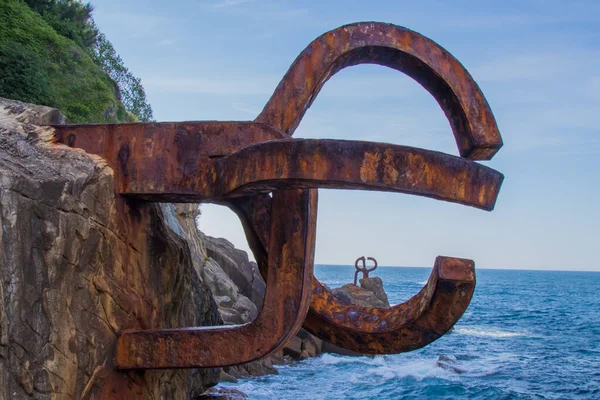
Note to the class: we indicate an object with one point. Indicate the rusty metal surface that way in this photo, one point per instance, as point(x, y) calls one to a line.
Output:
point(404, 327)
point(408, 326)
point(365, 271)
point(289, 275)
point(239, 164)
point(160, 165)
point(167, 161)
point(442, 75)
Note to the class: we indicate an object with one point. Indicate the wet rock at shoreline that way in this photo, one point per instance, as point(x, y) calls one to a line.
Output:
point(361, 296)
point(375, 285)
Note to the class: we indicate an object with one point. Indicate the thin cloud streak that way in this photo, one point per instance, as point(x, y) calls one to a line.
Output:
point(230, 3)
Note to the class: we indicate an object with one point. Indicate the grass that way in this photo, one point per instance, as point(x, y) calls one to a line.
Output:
point(37, 65)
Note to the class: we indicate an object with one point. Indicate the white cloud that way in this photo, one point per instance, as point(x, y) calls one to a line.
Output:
point(245, 108)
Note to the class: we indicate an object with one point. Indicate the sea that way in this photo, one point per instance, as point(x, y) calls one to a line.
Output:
point(526, 335)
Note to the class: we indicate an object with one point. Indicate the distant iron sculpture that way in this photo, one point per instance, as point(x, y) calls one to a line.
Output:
point(238, 164)
point(364, 268)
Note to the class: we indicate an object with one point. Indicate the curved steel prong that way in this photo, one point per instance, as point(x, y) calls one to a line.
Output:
point(474, 129)
point(404, 327)
point(344, 164)
point(356, 277)
point(374, 266)
point(358, 269)
point(362, 258)
point(289, 277)
point(393, 46)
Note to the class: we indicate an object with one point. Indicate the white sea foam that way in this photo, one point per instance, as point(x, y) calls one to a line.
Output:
point(422, 283)
point(488, 332)
point(331, 359)
point(254, 391)
point(417, 369)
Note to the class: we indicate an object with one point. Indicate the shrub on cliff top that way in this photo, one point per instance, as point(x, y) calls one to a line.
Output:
point(51, 53)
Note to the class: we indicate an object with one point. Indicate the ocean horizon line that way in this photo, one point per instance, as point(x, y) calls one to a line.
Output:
point(485, 268)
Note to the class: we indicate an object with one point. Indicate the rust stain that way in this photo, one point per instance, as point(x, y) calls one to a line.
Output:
point(368, 169)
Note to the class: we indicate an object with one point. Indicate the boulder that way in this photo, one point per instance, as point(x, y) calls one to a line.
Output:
point(359, 296)
point(311, 345)
point(293, 348)
point(332, 348)
point(78, 266)
point(237, 266)
point(255, 368)
point(225, 377)
point(375, 285)
point(234, 307)
point(222, 394)
point(449, 364)
point(369, 294)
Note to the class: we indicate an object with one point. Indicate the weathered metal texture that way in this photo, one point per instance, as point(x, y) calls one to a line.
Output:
point(365, 271)
point(422, 59)
point(239, 163)
point(404, 327)
point(166, 161)
point(289, 275)
point(160, 163)
point(408, 326)
point(472, 123)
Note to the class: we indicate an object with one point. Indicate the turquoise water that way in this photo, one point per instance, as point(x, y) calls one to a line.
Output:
point(526, 335)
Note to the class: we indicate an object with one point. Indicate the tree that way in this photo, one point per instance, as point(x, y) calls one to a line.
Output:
point(73, 20)
point(130, 87)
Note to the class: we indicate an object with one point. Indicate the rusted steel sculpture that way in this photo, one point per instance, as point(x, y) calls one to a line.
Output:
point(239, 164)
point(364, 268)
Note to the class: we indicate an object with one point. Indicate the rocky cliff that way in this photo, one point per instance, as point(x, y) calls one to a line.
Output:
point(77, 266)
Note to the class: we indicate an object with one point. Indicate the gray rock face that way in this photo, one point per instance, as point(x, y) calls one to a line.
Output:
point(375, 285)
point(360, 296)
point(77, 266)
point(234, 307)
point(237, 266)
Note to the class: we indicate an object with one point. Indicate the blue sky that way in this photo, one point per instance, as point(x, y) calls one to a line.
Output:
point(537, 62)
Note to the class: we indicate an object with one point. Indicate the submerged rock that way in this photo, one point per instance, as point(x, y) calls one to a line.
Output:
point(449, 364)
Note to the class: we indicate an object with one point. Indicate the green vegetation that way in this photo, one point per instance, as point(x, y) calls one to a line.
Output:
point(51, 53)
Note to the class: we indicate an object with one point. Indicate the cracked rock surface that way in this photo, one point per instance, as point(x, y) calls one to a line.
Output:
point(78, 265)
